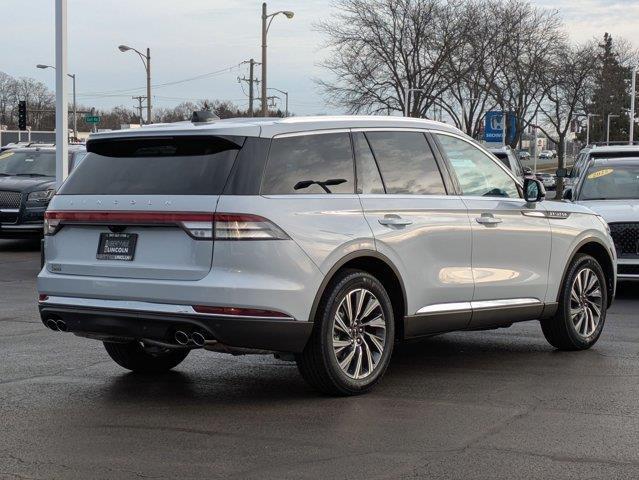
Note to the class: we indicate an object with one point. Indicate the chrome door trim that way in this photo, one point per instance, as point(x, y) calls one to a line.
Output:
point(478, 305)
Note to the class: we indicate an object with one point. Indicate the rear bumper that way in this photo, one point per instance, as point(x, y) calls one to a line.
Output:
point(26, 230)
point(141, 320)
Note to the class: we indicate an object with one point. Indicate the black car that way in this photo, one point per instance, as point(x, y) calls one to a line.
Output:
point(27, 184)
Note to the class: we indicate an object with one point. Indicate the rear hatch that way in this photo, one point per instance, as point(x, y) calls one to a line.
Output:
point(140, 208)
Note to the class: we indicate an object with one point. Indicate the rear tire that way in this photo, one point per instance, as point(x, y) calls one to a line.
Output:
point(353, 335)
point(137, 358)
point(583, 301)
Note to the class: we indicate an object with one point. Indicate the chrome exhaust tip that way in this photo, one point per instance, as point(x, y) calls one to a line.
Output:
point(182, 338)
point(198, 339)
point(52, 324)
point(62, 326)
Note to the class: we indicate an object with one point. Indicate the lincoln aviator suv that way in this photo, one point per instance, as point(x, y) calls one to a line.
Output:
point(321, 240)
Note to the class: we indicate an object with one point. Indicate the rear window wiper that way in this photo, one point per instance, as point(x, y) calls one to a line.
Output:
point(31, 175)
point(324, 185)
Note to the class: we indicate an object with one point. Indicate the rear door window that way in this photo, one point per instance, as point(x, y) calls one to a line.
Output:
point(407, 163)
point(314, 163)
point(155, 166)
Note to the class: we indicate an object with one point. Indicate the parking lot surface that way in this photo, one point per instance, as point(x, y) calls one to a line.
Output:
point(493, 405)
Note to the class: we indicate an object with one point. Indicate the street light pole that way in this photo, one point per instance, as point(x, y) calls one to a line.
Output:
point(267, 19)
point(286, 95)
point(407, 92)
point(632, 105)
point(61, 103)
point(75, 110)
point(146, 61)
point(608, 128)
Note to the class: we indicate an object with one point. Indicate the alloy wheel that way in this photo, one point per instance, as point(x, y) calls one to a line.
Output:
point(586, 302)
point(359, 333)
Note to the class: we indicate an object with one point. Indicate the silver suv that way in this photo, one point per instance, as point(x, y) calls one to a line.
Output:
point(323, 240)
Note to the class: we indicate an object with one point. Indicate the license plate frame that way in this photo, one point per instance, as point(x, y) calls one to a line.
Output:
point(117, 247)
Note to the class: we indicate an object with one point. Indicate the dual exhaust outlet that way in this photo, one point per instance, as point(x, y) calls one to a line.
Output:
point(56, 325)
point(190, 338)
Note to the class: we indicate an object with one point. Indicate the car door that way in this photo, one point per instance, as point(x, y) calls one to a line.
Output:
point(423, 230)
point(511, 239)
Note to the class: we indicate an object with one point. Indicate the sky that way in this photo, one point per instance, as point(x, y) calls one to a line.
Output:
point(190, 38)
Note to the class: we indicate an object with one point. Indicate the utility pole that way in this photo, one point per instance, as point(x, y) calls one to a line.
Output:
point(140, 99)
point(251, 81)
point(632, 105)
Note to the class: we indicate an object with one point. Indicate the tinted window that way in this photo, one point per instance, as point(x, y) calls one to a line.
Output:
point(306, 162)
point(407, 163)
point(368, 178)
point(154, 166)
point(27, 163)
point(478, 174)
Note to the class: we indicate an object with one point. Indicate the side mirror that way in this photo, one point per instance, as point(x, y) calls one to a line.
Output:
point(534, 190)
point(527, 171)
point(568, 194)
point(562, 173)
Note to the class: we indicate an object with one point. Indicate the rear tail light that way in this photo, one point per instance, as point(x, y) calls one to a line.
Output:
point(200, 226)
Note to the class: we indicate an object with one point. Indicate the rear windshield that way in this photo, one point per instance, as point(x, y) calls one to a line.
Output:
point(28, 164)
point(155, 166)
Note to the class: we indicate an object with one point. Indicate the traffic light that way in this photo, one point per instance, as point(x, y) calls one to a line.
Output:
point(22, 115)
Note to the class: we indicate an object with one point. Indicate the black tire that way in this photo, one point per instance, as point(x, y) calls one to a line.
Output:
point(137, 358)
point(560, 331)
point(318, 363)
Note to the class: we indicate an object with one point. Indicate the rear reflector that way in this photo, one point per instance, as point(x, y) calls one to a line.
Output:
point(239, 312)
point(200, 226)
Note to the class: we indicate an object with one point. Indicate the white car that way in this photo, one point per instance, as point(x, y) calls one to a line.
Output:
point(325, 240)
point(610, 187)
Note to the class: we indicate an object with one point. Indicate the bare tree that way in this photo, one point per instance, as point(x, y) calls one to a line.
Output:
point(532, 37)
point(568, 86)
point(380, 48)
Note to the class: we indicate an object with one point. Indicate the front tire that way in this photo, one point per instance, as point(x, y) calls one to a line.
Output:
point(353, 335)
point(133, 356)
point(583, 301)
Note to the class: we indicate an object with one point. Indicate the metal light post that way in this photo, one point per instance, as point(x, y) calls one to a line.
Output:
point(267, 19)
point(61, 103)
point(608, 128)
point(286, 95)
point(75, 110)
point(146, 61)
point(632, 105)
point(407, 92)
point(588, 126)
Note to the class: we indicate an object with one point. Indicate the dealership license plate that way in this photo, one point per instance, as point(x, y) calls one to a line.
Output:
point(117, 246)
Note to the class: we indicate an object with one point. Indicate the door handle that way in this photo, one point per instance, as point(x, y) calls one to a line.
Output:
point(488, 219)
point(394, 221)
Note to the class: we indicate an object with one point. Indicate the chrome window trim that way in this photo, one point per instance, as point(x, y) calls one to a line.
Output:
point(477, 305)
point(136, 306)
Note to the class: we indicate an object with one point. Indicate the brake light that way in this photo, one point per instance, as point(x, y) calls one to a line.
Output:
point(231, 226)
point(200, 226)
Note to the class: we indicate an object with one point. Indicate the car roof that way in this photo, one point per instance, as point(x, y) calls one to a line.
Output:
point(271, 126)
point(614, 148)
point(47, 148)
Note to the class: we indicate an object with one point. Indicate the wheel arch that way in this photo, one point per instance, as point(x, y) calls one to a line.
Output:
point(380, 267)
point(596, 249)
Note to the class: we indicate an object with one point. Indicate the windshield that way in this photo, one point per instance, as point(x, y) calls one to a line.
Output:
point(31, 163)
point(611, 183)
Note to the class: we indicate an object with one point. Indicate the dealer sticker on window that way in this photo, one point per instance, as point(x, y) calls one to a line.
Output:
point(600, 173)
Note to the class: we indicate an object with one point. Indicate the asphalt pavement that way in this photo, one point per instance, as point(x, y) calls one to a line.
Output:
point(492, 405)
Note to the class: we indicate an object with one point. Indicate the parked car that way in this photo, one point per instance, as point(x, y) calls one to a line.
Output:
point(549, 181)
point(598, 152)
point(324, 240)
point(510, 160)
point(27, 184)
point(547, 155)
point(523, 155)
point(610, 187)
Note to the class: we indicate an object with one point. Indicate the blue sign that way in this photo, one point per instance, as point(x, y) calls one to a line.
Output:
point(494, 127)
